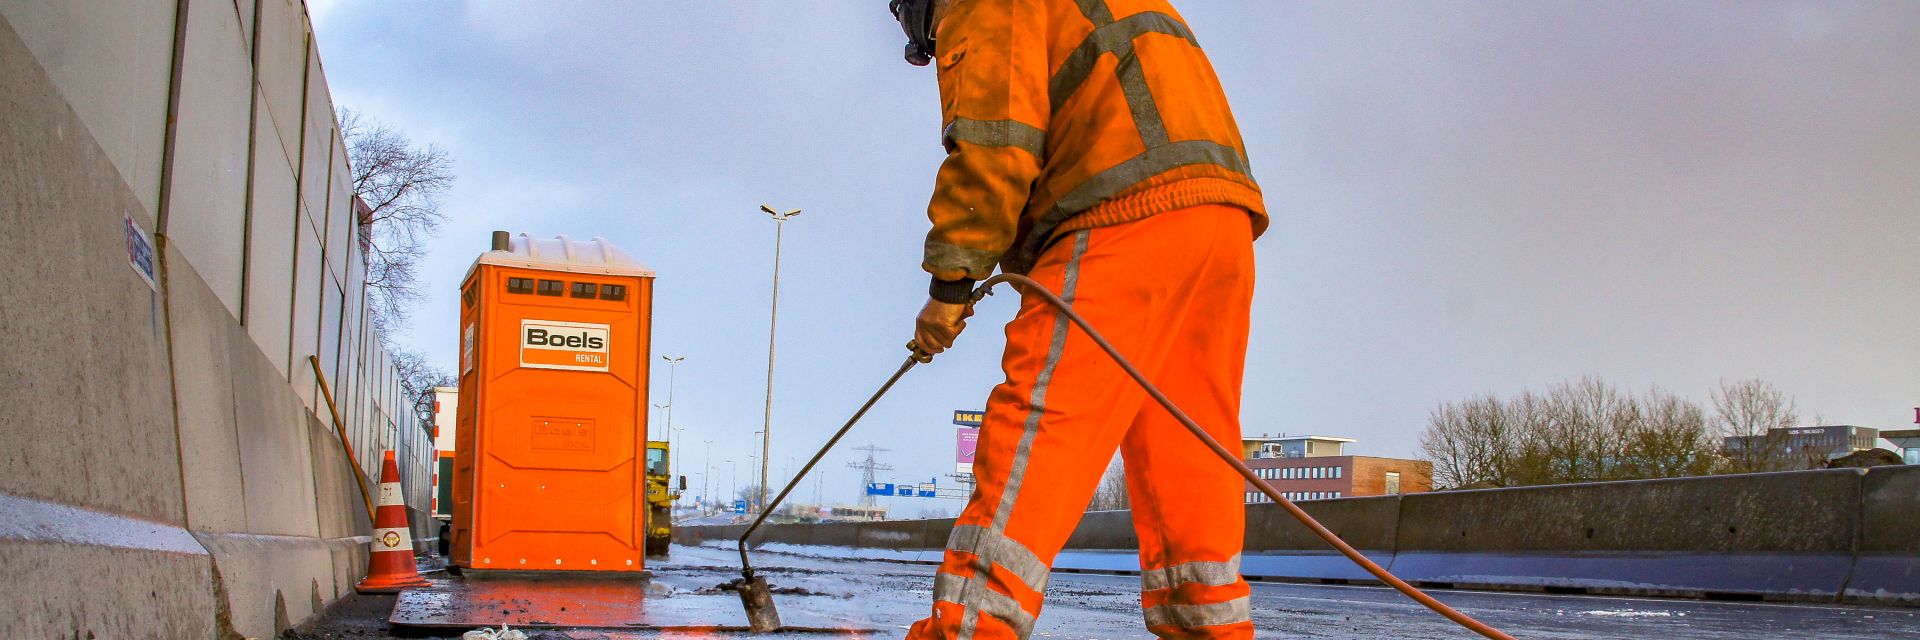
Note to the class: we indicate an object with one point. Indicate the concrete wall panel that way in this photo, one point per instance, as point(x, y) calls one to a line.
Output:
point(270, 265)
point(275, 457)
point(1887, 570)
point(1104, 530)
point(112, 61)
point(306, 315)
point(1777, 534)
point(1365, 523)
point(203, 392)
point(340, 507)
point(207, 214)
point(87, 335)
point(1809, 512)
point(283, 67)
point(340, 224)
point(270, 583)
point(330, 318)
point(129, 593)
point(893, 534)
point(244, 12)
point(317, 136)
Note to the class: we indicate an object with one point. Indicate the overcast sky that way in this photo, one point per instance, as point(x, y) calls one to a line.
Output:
point(1467, 197)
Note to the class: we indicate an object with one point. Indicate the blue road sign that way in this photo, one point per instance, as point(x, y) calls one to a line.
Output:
point(904, 490)
point(880, 489)
point(739, 506)
point(927, 493)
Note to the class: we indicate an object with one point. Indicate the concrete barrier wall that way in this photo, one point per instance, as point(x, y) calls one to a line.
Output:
point(1784, 534)
point(1810, 535)
point(182, 409)
point(1886, 567)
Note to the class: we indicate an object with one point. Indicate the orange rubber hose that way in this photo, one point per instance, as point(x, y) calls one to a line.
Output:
point(1028, 285)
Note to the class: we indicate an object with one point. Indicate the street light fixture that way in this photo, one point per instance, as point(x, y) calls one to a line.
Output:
point(673, 367)
point(773, 322)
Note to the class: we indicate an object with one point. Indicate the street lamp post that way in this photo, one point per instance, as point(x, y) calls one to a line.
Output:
point(773, 322)
point(753, 506)
point(672, 436)
point(706, 494)
point(673, 367)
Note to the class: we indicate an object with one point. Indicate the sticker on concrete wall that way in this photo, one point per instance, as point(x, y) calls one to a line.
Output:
point(569, 346)
point(140, 251)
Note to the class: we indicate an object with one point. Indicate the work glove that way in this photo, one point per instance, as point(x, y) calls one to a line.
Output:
point(939, 324)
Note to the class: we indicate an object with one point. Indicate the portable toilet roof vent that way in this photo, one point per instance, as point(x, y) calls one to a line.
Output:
point(561, 253)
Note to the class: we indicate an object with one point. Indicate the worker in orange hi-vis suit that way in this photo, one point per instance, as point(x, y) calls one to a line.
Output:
point(1089, 145)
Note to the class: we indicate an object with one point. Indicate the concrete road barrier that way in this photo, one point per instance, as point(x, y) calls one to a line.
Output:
point(1281, 548)
point(1786, 535)
point(1808, 535)
point(1886, 569)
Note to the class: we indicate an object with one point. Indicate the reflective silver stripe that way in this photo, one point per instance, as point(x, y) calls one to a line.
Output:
point(974, 595)
point(996, 133)
point(1200, 615)
point(995, 547)
point(1133, 85)
point(978, 263)
point(1207, 572)
point(1037, 403)
point(1112, 181)
point(1109, 38)
point(1095, 10)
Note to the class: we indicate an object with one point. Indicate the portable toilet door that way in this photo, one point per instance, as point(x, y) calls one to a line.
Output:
point(550, 451)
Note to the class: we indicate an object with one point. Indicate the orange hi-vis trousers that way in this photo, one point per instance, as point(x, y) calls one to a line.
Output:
point(1172, 293)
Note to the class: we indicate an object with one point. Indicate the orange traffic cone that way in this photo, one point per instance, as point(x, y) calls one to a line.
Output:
point(390, 565)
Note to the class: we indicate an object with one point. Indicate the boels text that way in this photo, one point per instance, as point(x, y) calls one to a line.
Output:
point(538, 337)
point(573, 346)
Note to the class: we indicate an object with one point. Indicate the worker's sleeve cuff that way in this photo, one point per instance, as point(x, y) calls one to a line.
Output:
point(951, 291)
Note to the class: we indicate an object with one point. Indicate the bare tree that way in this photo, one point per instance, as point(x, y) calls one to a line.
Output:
point(1752, 416)
point(1671, 439)
point(1470, 443)
point(1573, 433)
point(1112, 493)
point(1579, 431)
point(1446, 443)
point(397, 185)
point(416, 375)
point(750, 494)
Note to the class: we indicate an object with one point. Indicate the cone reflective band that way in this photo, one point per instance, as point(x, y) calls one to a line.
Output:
point(390, 565)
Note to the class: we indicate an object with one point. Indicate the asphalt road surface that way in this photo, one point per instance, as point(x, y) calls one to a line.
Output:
point(881, 598)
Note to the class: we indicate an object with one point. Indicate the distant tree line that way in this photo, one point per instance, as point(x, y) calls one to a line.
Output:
point(1111, 494)
point(1589, 430)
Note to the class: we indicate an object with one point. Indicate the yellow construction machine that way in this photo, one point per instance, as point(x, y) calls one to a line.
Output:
point(661, 494)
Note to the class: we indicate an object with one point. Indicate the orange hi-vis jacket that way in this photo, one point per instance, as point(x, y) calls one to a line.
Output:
point(1062, 115)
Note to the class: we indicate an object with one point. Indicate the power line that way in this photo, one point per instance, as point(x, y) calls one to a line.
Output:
point(867, 468)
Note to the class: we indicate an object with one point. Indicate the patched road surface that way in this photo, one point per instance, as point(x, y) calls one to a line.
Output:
point(881, 598)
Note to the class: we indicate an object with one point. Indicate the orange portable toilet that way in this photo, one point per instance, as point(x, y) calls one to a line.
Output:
point(549, 469)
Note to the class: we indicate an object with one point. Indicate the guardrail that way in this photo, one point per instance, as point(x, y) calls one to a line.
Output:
point(1832, 535)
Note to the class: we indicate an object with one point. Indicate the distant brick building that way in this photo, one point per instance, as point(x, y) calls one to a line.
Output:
point(1317, 468)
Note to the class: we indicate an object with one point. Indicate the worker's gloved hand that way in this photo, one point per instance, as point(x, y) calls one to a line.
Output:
point(939, 323)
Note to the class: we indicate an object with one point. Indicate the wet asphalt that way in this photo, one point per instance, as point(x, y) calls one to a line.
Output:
point(879, 599)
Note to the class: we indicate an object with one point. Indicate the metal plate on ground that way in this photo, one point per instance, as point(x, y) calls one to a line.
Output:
point(541, 602)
